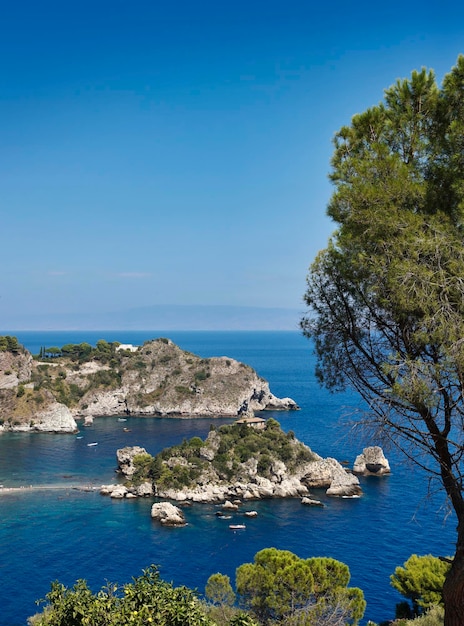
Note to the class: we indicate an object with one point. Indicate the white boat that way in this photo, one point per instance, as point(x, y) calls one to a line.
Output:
point(92, 444)
point(237, 526)
point(122, 419)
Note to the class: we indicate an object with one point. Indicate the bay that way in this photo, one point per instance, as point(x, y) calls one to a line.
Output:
point(66, 534)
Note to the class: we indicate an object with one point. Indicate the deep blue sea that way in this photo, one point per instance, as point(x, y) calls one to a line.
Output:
point(65, 534)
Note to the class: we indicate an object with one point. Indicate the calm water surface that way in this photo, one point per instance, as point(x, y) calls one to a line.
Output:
point(67, 534)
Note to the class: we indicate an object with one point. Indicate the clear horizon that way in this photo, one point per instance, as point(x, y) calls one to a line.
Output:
point(158, 154)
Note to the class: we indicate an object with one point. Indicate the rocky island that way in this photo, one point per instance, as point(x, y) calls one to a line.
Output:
point(51, 391)
point(237, 461)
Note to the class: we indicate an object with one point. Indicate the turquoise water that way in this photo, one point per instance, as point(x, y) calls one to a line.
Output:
point(67, 534)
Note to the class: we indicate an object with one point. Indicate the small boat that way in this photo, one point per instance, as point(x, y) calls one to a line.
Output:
point(251, 513)
point(237, 526)
point(95, 443)
point(126, 430)
point(122, 419)
point(80, 437)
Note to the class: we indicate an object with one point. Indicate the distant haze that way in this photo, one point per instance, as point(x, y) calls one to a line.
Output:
point(166, 317)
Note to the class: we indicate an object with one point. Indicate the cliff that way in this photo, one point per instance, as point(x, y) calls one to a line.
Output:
point(156, 379)
point(235, 461)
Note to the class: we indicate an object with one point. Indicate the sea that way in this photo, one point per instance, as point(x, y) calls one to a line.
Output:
point(61, 532)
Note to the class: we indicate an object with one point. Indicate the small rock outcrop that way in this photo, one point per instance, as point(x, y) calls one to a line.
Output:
point(167, 514)
point(311, 502)
point(118, 491)
point(330, 474)
point(344, 484)
point(125, 458)
point(371, 462)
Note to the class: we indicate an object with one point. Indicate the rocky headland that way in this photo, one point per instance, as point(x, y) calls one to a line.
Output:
point(236, 462)
point(75, 382)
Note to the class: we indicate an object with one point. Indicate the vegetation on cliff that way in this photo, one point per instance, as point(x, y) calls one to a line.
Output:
point(228, 455)
point(10, 344)
point(157, 378)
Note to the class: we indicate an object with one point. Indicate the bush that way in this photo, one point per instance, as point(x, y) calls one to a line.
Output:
point(147, 600)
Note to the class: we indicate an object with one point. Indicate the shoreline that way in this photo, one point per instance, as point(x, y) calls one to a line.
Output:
point(29, 488)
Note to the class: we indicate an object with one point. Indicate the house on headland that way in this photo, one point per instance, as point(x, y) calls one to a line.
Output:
point(127, 346)
point(253, 422)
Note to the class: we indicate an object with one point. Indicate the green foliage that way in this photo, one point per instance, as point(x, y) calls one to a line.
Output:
point(147, 600)
point(421, 580)
point(9, 344)
point(238, 444)
point(279, 586)
point(434, 616)
point(201, 375)
point(221, 596)
point(386, 296)
point(242, 619)
point(147, 468)
point(219, 591)
point(109, 379)
point(82, 352)
point(183, 391)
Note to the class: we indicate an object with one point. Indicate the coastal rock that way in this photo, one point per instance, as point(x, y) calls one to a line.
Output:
point(228, 480)
point(118, 492)
point(50, 416)
point(15, 368)
point(114, 491)
point(228, 506)
point(167, 514)
point(125, 458)
point(330, 474)
point(216, 387)
point(56, 418)
point(371, 461)
point(144, 490)
point(311, 502)
point(156, 379)
point(344, 485)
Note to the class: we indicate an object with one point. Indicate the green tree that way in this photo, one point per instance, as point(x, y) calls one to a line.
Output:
point(147, 600)
point(279, 586)
point(386, 297)
point(53, 351)
point(219, 592)
point(9, 344)
point(421, 580)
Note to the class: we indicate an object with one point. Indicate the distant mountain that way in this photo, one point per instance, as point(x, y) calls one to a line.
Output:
point(163, 317)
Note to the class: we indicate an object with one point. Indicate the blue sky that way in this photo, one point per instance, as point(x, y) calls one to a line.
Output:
point(178, 152)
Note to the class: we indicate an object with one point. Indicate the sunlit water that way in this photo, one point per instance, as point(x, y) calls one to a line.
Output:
point(66, 534)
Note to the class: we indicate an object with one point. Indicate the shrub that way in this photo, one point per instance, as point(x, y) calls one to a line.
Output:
point(147, 600)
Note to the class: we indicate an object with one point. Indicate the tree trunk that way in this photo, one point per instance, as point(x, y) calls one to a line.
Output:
point(453, 589)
